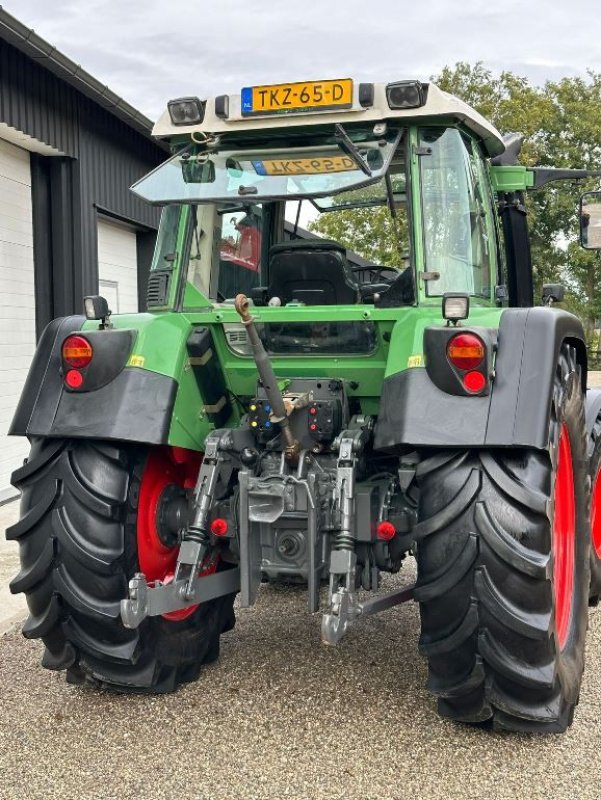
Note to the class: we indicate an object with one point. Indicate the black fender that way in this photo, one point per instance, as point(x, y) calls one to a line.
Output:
point(415, 413)
point(136, 405)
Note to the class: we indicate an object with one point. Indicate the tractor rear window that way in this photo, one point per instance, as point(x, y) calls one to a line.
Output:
point(319, 165)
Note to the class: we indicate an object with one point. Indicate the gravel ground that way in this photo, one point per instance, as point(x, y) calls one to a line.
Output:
point(280, 715)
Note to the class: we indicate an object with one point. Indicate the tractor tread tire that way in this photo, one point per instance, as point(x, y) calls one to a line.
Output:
point(77, 540)
point(595, 592)
point(485, 577)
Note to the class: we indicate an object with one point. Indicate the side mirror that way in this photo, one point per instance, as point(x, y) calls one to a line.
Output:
point(590, 220)
point(553, 293)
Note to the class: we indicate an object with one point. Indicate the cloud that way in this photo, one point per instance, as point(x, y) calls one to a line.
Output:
point(148, 51)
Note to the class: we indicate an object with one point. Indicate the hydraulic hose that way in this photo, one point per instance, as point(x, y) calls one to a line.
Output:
point(267, 376)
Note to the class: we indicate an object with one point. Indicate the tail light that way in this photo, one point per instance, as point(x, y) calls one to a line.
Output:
point(466, 351)
point(74, 379)
point(460, 361)
point(474, 381)
point(77, 352)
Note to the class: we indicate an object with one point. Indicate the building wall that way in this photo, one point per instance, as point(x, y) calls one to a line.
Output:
point(34, 101)
point(76, 176)
point(17, 303)
point(98, 158)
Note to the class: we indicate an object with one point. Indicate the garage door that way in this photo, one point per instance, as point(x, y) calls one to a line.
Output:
point(118, 266)
point(17, 300)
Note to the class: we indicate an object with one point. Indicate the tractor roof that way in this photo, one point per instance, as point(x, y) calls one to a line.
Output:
point(223, 114)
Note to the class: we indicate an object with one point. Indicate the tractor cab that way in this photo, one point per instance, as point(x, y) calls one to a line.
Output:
point(365, 202)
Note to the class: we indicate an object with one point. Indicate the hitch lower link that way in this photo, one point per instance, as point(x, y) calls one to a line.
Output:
point(345, 606)
point(189, 586)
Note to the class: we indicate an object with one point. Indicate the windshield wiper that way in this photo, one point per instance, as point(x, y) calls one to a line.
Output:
point(347, 144)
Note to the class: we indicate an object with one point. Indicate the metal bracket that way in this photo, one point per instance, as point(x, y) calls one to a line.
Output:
point(160, 598)
point(345, 607)
point(345, 610)
point(343, 559)
point(195, 539)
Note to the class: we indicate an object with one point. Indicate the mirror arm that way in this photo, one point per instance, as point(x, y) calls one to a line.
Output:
point(544, 175)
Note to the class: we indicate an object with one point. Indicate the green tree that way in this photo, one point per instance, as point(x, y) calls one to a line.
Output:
point(371, 232)
point(561, 122)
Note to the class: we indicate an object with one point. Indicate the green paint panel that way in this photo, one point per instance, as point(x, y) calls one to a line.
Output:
point(511, 179)
point(160, 346)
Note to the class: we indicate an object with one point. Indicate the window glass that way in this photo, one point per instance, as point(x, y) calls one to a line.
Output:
point(377, 241)
point(240, 248)
point(456, 215)
point(226, 247)
point(306, 338)
point(165, 251)
point(320, 165)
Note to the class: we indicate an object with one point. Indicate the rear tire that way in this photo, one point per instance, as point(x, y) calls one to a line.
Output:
point(78, 548)
point(503, 592)
point(595, 472)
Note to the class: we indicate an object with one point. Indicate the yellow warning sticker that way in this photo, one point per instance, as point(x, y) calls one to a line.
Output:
point(136, 361)
point(415, 361)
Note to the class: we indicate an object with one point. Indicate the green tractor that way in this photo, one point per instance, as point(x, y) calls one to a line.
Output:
point(290, 411)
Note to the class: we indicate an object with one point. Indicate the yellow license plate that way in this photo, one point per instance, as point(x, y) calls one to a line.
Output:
point(293, 97)
point(304, 166)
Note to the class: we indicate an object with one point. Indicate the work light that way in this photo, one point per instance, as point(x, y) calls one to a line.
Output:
point(186, 111)
point(455, 306)
point(405, 94)
point(96, 307)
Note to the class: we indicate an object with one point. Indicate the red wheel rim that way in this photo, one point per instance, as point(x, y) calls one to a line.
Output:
point(165, 467)
point(596, 515)
point(564, 538)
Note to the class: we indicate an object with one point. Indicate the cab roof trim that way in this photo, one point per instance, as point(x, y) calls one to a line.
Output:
point(439, 106)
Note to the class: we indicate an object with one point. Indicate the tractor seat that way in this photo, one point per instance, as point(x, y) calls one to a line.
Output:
point(311, 271)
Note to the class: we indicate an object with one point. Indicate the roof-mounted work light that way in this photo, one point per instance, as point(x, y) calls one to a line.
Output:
point(186, 111)
point(405, 94)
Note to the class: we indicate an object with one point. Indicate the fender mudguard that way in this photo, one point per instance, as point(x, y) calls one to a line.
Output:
point(415, 413)
point(136, 406)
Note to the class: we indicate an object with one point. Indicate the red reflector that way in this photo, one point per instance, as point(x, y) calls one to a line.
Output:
point(219, 527)
point(466, 351)
point(313, 411)
point(77, 351)
point(73, 379)
point(385, 531)
point(474, 381)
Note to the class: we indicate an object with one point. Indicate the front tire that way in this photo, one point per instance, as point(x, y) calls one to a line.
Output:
point(79, 546)
point(503, 573)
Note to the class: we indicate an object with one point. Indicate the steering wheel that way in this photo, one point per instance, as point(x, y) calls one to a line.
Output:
point(377, 272)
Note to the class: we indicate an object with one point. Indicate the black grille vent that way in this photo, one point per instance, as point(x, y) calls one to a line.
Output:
point(158, 288)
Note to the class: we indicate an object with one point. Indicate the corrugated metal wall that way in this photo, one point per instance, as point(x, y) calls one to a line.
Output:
point(104, 157)
point(34, 101)
point(112, 157)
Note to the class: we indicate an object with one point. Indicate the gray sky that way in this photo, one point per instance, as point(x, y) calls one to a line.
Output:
point(149, 51)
